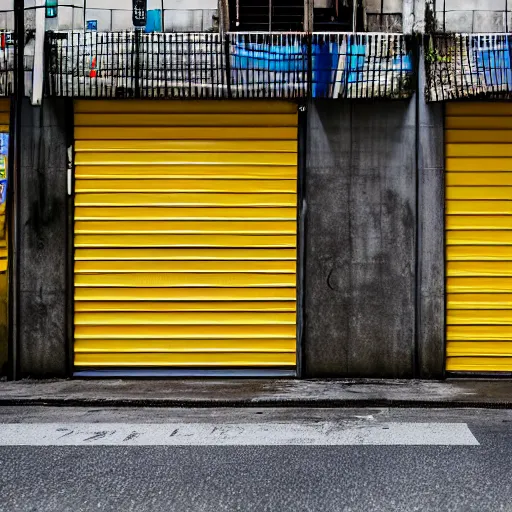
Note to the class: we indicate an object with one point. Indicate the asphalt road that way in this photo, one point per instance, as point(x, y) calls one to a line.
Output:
point(385, 466)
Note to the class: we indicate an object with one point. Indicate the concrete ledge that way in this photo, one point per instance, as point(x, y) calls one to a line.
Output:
point(259, 393)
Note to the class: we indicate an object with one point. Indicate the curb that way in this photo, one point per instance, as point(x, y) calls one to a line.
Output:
point(264, 403)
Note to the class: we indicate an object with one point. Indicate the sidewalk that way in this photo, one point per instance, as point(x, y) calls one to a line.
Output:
point(258, 393)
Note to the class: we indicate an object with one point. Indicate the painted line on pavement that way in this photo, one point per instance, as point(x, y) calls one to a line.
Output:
point(239, 434)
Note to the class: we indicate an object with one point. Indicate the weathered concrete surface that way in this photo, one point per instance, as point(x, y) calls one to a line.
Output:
point(431, 251)
point(360, 240)
point(473, 16)
point(258, 393)
point(43, 225)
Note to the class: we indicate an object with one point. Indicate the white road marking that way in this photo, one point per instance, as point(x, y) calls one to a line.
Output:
point(240, 434)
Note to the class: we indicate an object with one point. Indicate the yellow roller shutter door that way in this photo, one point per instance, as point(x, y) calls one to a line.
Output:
point(479, 237)
point(5, 108)
point(185, 234)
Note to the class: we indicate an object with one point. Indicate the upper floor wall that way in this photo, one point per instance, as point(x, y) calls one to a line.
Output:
point(115, 15)
point(472, 16)
point(450, 16)
point(210, 15)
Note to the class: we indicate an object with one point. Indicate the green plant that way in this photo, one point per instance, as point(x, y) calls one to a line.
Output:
point(433, 55)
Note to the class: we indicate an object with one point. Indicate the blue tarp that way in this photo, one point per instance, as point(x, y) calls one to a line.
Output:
point(266, 57)
point(325, 62)
point(494, 65)
point(290, 59)
point(154, 21)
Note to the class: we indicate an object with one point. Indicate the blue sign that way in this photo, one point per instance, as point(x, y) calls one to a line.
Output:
point(4, 144)
point(92, 25)
point(51, 8)
point(154, 22)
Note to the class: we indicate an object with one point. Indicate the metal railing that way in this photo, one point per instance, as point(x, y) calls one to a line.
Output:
point(366, 65)
point(236, 65)
point(462, 66)
point(7, 62)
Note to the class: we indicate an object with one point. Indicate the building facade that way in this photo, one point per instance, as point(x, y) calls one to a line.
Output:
point(313, 189)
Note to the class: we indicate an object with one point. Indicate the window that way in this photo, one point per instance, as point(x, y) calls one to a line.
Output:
point(337, 15)
point(266, 15)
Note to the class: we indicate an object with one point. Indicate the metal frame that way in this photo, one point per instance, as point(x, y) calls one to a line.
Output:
point(301, 233)
point(13, 206)
point(70, 244)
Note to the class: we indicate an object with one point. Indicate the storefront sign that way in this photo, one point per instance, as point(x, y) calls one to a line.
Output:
point(139, 15)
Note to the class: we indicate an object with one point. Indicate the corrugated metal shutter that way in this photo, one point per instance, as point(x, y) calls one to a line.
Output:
point(5, 112)
point(5, 107)
point(479, 237)
point(185, 234)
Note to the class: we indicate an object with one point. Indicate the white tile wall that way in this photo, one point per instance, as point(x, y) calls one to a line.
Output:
point(183, 16)
point(103, 16)
point(472, 15)
point(387, 7)
point(471, 5)
point(6, 5)
point(210, 21)
point(393, 6)
point(78, 18)
point(191, 4)
point(488, 21)
point(456, 21)
point(64, 18)
point(121, 19)
point(183, 21)
point(9, 22)
point(155, 4)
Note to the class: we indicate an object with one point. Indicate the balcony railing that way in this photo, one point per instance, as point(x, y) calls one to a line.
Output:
point(236, 65)
point(461, 66)
point(7, 63)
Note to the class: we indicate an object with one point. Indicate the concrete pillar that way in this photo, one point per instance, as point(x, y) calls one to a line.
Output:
point(414, 16)
point(374, 239)
point(431, 257)
point(43, 224)
point(360, 239)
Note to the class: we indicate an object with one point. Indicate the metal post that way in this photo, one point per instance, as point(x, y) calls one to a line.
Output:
point(137, 62)
point(38, 69)
point(13, 192)
point(308, 16)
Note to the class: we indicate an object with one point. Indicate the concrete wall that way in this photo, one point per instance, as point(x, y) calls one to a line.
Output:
point(6, 14)
point(363, 294)
point(473, 15)
point(430, 321)
point(384, 16)
point(43, 251)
